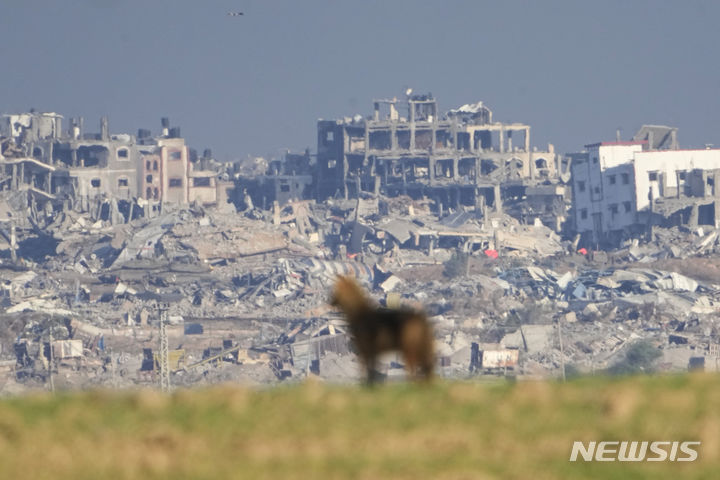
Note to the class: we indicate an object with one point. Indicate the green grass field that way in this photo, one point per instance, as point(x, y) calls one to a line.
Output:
point(314, 431)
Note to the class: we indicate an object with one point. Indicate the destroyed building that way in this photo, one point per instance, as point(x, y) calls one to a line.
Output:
point(217, 296)
point(285, 180)
point(461, 157)
point(60, 169)
point(621, 189)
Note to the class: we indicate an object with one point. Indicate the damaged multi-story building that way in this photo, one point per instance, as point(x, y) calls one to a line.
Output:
point(87, 171)
point(462, 157)
point(623, 188)
point(287, 179)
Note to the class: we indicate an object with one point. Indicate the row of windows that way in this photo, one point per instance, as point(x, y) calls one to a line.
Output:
point(123, 153)
point(613, 208)
point(653, 176)
point(173, 182)
point(612, 180)
point(122, 182)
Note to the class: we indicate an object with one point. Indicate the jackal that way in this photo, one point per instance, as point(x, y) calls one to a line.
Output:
point(376, 330)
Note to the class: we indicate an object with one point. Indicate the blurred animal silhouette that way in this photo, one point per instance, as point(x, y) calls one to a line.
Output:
point(376, 330)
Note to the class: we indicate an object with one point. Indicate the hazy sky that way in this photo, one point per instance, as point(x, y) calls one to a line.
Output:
point(256, 84)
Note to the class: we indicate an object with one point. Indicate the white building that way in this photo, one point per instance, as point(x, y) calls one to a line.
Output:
point(603, 187)
point(614, 183)
point(664, 171)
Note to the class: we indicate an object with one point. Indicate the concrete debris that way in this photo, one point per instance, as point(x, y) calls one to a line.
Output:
point(104, 239)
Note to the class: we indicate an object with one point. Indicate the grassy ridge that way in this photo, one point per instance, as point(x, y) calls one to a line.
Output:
point(449, 430)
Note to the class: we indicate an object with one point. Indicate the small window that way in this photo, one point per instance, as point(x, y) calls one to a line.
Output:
point(583, 213)
point(628, 206)
point(284, 188)
point(155, 166)
point(329, 137)
point(581, 186)
point(625, 178)
point(175, 182)
point(122, 182)
point(175, 156)
point(652, 176)
point(596, 189)
point(682, 175)
point(611, 179)
point(122, 153)
point(95, 182)
point(148, 179)
point(148, 165)
point(614, 208)
point(201, 182)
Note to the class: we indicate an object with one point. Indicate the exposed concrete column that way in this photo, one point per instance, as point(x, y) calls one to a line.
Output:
point(73, 157)
point(502, 140)
point(477, 170)
point(527, 139)
point(13, 242)
point(412, 126)
point(345, 167)
point(431, 169)
point(716, 185)
point(498, 199)
point(455, 167)
point(393, 136)
point(15, 184)
point(531, 165)
point(694, 215)
point(479, 201)
point(104, 131)
point(48, 185)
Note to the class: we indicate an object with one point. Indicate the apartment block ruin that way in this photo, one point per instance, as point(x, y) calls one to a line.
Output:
point(461, 157)
point(46, 168)
point(622, 189)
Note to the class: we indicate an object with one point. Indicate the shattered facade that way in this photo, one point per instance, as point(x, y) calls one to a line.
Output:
point(622, 189)
point(461, 157)
point(45, 168)
point(122, 264)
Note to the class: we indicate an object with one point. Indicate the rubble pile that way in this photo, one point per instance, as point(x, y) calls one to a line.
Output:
point(245, 295)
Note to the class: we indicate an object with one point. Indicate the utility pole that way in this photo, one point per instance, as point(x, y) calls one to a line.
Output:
point(562, 353)
point(50, 362)
point(164, 354)
point(13, 242)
